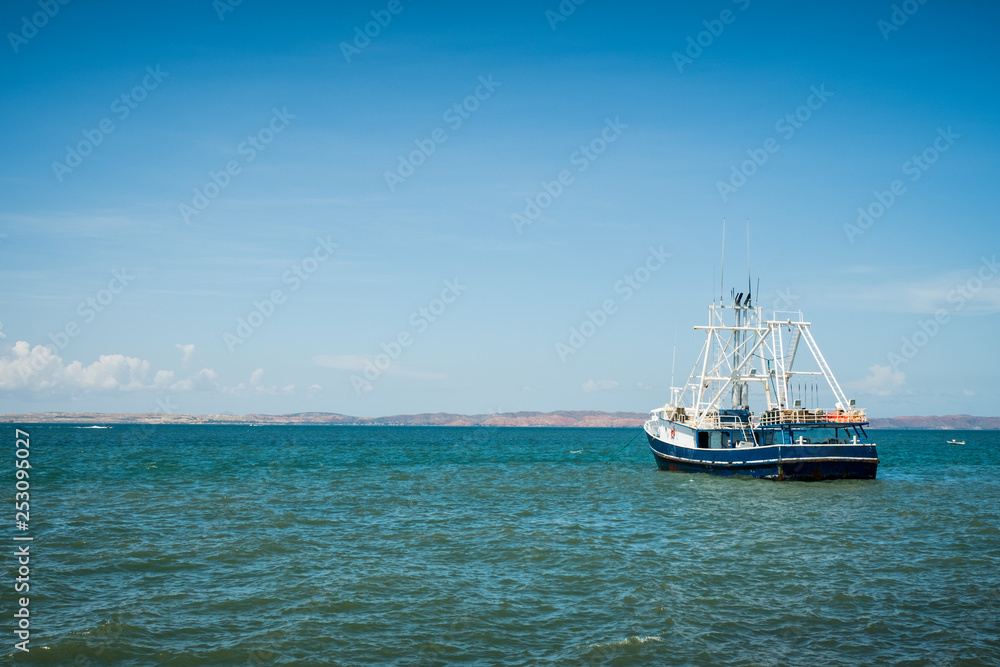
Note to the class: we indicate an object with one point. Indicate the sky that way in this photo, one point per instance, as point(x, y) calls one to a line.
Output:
point(399, 206)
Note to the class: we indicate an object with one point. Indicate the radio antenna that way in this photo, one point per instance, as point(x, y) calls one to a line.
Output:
point(673, 364)
point(747, 302)
point(722, 277)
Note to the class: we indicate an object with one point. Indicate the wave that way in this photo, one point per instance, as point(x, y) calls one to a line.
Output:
point(631, 641)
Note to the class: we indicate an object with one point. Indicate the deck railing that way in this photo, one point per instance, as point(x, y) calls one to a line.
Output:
point(773, 418)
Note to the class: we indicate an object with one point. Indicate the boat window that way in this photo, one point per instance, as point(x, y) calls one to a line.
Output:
point(703, 439)
point(822, 436)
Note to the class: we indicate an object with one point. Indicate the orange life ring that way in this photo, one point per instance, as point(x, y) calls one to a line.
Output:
point(672, 432)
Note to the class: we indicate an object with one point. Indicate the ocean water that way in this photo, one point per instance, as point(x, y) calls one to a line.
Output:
point(223, 545)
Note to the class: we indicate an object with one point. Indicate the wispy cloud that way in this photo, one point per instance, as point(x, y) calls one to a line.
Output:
point(961, 292)
point(204, 380)
point(880, 381)
point(256, 387)
point(591, 386)
point(341, 362)
point(357, 363)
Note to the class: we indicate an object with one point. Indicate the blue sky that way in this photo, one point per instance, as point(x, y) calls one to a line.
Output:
point(248, 159)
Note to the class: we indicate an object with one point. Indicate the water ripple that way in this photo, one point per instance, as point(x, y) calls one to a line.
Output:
point(226, 545)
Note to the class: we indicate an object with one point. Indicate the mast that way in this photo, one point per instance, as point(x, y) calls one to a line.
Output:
point(737, 392)
point(747, 304)
point(742, 306)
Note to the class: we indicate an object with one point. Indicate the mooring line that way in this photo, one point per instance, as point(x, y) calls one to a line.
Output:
point(626, 445)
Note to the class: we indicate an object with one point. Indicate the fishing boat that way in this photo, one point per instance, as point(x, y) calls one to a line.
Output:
point(708, 426)
point(956, 442)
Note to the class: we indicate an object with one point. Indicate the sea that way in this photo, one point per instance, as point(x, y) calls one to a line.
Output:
point(333, 545)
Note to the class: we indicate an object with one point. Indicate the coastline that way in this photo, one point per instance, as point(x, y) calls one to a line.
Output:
point(561, 418)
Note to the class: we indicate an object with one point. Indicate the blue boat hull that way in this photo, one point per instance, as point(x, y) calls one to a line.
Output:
point(779, 462)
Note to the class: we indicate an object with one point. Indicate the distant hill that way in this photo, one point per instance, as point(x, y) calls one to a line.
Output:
point(581, 418)
point(945, 423)
point(571, 418)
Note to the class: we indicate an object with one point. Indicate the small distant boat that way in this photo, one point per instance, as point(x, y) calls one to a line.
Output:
point(956, 442)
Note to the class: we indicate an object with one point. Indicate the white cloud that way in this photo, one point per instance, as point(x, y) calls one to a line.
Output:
point(39, 370)
point(28, 368)
point(187, 353)
point(163, 379)
point(598, 385)
point(109, 372)
point(881, 381)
